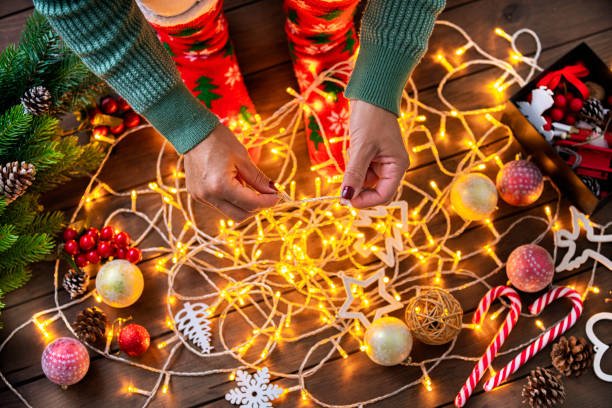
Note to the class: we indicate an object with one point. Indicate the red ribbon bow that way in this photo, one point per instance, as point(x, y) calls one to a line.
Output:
point(571, 73)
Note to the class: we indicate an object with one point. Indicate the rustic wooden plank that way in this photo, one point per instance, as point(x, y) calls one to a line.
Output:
point(14, 6)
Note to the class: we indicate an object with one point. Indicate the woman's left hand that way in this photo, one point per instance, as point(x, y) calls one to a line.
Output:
point(377, 156)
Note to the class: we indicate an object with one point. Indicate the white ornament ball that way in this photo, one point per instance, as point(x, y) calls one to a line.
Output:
point(65, 361)
point(388, 341)
point(119, 283)
point(473, 196)
point(530, 268)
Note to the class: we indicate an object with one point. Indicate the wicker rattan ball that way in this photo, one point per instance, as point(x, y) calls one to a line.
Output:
point(434, 316)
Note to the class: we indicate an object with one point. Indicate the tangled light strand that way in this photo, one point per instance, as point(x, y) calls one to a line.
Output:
point(297, 252)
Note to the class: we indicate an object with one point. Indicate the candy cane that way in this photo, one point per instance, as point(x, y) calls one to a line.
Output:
point(496, 343)
point(546, 337)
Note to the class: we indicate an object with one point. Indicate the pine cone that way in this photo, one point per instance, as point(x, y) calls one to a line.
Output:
point(572, 356)
point(75, 282)
point(90, 325)
point(544, 389)
point(15, 178)
point(593, 112)
point(592, 184)
point(36, 100)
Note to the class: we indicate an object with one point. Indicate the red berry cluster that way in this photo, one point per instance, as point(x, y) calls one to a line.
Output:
point(92, 246)
point(565, 109)
point(117, 107)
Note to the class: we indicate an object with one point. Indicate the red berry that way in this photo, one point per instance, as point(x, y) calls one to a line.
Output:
point(107, 233)
point(81, 260)
point(131, 119)
point(123, 106)
point(548, 125)
point(70, 234)
point(86, 242)
point(570, 119)
point(109, 105)
point(569, 96)
point(100, 131)
point(556, 114)
point(117, 130)
point(122, 239)
point(71, 247)
point(134, 255)
point(576, 104)
point(93, 231)
point(121, 253)
point(560, 101)
point(93, 257)
point(105, 249)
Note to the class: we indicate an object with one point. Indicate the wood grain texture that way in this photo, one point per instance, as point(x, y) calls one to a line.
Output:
point(265, 63)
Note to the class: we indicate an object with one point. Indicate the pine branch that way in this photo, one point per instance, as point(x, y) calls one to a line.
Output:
point(14, 124)
point(7, 237)
point(25, 250)
point(14, 278)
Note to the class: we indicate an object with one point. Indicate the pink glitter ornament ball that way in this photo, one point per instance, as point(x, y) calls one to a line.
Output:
point(530, 268)
point(520, 183)
point(65, 361)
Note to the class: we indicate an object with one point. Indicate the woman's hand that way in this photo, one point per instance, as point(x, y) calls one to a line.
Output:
point(377, 156)
point(219, 172)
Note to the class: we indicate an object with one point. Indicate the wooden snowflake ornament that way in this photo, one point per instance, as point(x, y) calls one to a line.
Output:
point(567, 239)
point(253, 391)
point(192, 321)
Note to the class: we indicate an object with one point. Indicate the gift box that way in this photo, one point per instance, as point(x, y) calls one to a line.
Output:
point(562, 119)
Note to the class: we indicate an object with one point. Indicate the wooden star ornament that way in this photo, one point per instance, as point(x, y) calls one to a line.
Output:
point(378, 276)
point(567, 239)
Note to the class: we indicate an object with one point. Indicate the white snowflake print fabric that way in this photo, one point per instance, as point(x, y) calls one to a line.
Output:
point(253, 391)
point(232, 76)
point(339, 122)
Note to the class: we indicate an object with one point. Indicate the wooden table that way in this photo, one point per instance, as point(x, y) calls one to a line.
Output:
point(265, 62)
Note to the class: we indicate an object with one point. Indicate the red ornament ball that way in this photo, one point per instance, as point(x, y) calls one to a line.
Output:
point(107, 233)
point(117, 130)
point(65, 361)
point(70, 234)
point(134, 340)
point(530, 268)
point(520, 183)
point(71, 247)
point(86, 242)
point(122, 239)
point(576, 104)
point(560, 101)
point(105, 249)
point(133, 255)
point(109, 105)
point(556, 114)
point(131, 119)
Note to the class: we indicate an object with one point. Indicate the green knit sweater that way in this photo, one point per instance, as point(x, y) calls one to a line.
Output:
point(116, 43)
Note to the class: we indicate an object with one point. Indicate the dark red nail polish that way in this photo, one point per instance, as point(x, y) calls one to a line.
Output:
point(348, 192)
point(272, 186)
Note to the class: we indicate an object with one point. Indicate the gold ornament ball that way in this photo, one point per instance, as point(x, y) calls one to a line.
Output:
point(434, 316)
point(388, 341)
point(473, 196)
point(119, 283)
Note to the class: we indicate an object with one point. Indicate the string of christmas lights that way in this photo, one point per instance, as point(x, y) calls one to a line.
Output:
point(299, 252)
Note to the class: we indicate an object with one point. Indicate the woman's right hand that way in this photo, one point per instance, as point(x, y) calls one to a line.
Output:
point(219, 172)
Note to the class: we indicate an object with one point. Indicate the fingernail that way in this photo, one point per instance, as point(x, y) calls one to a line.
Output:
point(272, 186)
point(347, 192)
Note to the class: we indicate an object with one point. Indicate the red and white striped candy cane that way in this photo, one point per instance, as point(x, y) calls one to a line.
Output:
point(486, 359)
point(546, 337)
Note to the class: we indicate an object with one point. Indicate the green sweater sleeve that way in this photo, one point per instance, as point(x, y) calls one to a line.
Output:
point(114, 40)
point(394, 35)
